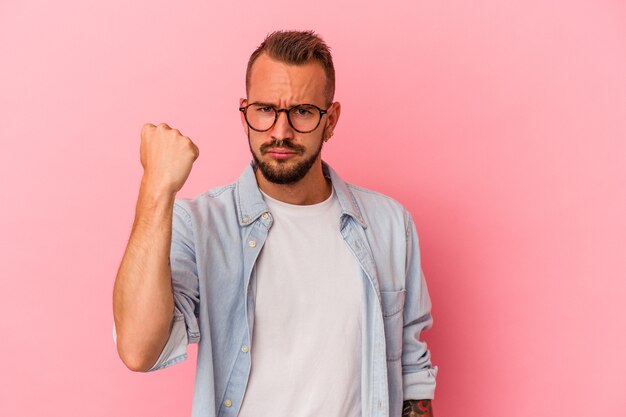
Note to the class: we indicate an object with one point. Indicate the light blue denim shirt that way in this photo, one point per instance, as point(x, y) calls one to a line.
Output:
point(216, 240)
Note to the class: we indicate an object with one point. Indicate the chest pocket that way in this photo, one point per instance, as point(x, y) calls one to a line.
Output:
point(393, 306)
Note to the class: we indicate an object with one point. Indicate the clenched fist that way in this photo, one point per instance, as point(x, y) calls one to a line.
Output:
point(166, 157)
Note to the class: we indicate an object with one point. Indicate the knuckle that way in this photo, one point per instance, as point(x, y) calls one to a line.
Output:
point(194, 149)
point(147, 127)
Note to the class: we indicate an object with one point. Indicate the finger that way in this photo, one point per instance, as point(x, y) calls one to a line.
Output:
point(147, 127)
point(196, 151)
point(163, 126)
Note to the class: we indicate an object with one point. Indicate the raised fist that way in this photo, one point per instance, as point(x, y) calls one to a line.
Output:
point(166, 156)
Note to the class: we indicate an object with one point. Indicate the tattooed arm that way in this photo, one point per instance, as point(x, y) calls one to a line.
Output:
point(417, 408)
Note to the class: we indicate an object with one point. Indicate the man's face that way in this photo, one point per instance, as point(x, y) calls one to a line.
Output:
point(283, 155)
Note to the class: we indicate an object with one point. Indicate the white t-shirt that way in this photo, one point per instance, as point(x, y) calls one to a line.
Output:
point(306, 344)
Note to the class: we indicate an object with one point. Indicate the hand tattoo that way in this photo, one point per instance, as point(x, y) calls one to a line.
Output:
point(417, 408)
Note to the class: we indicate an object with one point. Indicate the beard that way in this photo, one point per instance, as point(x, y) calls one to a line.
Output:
point(285, 172)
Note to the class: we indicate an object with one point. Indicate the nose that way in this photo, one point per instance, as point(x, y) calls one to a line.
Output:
point(282, 129)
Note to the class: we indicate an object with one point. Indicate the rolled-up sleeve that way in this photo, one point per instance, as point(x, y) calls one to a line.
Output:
point(418, 373)
point(185, 286)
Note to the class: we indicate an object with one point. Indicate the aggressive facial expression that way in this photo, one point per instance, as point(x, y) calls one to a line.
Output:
point(283, 155)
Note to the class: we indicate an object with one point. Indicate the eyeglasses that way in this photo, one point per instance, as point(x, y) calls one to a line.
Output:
point(303, 118)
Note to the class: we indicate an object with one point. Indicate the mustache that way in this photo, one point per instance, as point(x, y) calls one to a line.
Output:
point(284, 144)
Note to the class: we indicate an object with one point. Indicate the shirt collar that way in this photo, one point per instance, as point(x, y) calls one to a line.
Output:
point(251, 205)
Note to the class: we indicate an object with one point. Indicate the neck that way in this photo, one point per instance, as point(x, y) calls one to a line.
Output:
point(312, 189)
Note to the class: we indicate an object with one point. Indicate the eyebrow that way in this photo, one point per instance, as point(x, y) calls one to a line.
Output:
point(261, 103)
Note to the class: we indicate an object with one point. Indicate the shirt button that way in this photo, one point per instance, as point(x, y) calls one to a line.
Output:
point(252, 243)
point(265, 216)
point(245, 348)
point(245, 219)
point(228, 403)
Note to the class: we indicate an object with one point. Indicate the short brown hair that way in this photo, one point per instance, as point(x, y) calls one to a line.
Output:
point(297, 48)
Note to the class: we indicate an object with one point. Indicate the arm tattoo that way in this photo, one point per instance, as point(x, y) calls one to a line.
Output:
point(417, 408)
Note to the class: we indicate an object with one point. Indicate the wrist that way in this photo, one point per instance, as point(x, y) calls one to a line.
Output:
point(154, 198)
point(153, 191)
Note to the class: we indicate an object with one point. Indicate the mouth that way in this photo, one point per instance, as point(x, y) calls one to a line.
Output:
point(280, 153)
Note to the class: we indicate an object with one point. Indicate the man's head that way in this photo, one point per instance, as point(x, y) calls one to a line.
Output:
point(289, 69)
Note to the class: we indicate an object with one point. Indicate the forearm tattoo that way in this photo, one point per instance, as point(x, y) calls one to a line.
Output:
point(417, 408)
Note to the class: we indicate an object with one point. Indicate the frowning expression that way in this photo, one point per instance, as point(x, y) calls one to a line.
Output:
point(284, 155)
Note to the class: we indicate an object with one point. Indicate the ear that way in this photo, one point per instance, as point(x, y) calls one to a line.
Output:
point(242, 103)
point(333, 117)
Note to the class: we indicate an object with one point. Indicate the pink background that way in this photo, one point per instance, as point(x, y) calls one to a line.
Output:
point(500, 125)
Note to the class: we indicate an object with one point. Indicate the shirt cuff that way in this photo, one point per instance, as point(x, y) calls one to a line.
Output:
point(175, 350)
point(419, 385)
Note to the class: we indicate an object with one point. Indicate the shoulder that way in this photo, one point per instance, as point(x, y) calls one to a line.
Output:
point(368, 199)
point(361, 197)
point(217, 198)
point(368, 196)
point(379, 210)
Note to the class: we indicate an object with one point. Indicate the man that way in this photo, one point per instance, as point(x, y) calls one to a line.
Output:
point(305, 293)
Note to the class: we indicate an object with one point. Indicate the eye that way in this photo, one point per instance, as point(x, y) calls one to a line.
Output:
point(302, 112)
point(264, 109)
